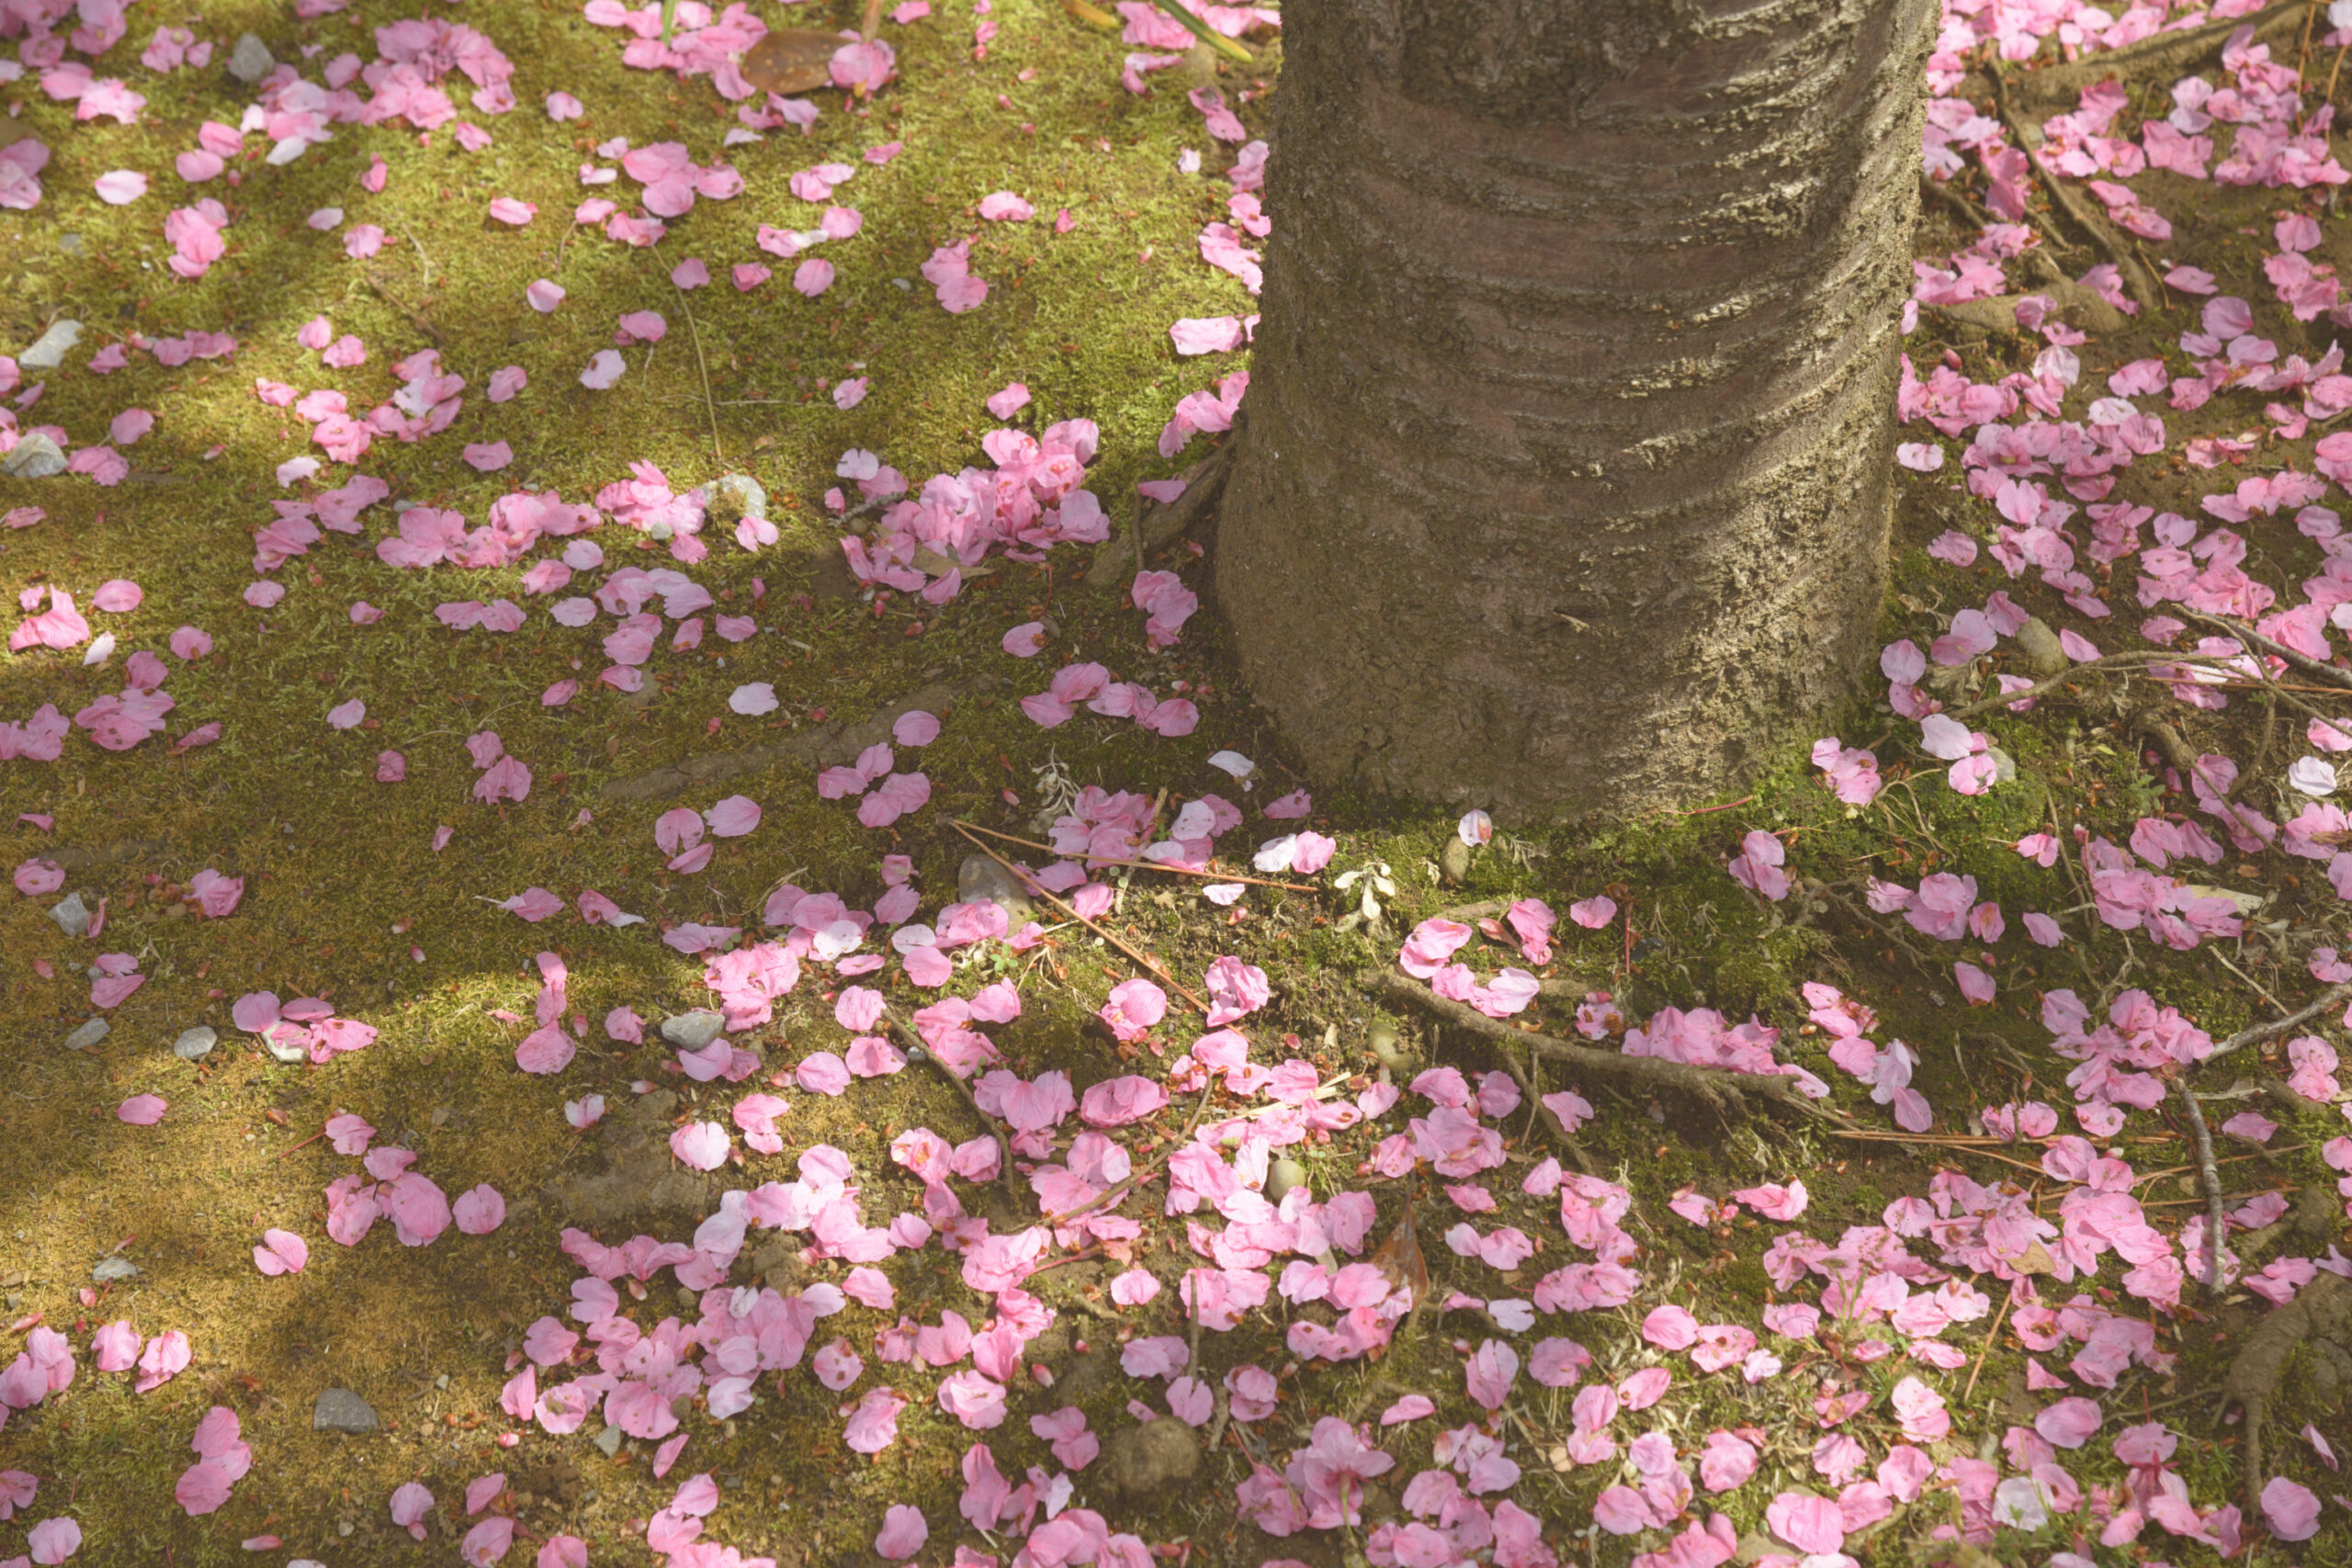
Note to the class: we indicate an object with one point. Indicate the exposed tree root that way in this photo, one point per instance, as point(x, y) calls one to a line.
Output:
point(827, 746)
point(2177, 754)
point(1998, 315)
point(1157, 524)
point(1720, 1091)
point(2151, 58)
point(2321, 1310)
point(2095, 227)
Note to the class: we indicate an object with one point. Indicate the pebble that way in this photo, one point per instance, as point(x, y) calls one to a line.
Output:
point(981, 878)
point(251, 59)
point(36, 458)
point(89, 1034)
point(48, 351)
point(1282, 1177)
point(609, 1442)
point(1148, 1457)
point(112, 1268)
point(193, 1044)
point(1384, 1044)
point(1454, 862)
point(692, 1031)
point(283, 1052)
point(734, 496)
point(340, 1410)
point(2040, 645)
point(72, 917)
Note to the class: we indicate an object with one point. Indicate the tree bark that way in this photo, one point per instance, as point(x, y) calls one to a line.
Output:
point(1565, 479)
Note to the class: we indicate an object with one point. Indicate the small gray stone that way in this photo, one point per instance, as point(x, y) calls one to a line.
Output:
point(1282, 1177)
point(980, 878)
point(282, 1050)
point(692, 1031)
point(734, 496)
point(2040, 645)
point(251, 59)
point(1390, 1051)
point(48, 351)
point(609, 1442)
point(110, 1269)
point(89, 1034)
point(36, 458)
point(72, 917)
point(1151, 1455)
point(194, 1044)
point(1454, 862)
point(340, 1410)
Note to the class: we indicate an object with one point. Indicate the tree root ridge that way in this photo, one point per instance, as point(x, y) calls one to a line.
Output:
point(827, 746)
point(2321, 1310)
point(1720, 1091)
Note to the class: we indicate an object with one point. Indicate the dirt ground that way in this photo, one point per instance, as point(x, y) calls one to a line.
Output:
point(350, 897)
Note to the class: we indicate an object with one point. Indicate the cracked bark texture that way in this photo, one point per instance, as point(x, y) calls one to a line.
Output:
point(1564, 480)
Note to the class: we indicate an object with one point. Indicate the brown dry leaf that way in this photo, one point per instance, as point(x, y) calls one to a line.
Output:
point(1400, 1259)
point(800, 59)
point(791, 59)
point(2034, 1260)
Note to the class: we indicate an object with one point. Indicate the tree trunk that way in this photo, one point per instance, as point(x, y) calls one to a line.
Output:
point(1565, 479)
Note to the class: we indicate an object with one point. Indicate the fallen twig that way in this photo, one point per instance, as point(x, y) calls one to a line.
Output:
point(303, 1145)
point(417, 318)
point(2254, 1034)
point(1991, 1334)
point(2156, 1176)
point(2211, 1180)
point(2255, 640)
point(1550, 1118)
point(1884, 1137)
point(1148, 963)
point(694, 328)
point(924, 1053)
point(2142, 663)
point(1143, 864)
point(1112, 1197)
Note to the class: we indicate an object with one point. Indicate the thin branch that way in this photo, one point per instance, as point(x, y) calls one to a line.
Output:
point(1150, 964)
point(1212, 876)
point(694, 328)
point(2142, 663)
point(1990, 1335)
point(924, 1053)
point(2211, 1180)
point(2254, 1034)
point(2255, 639)
point(1880, 1137)
point(1111, 1197)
